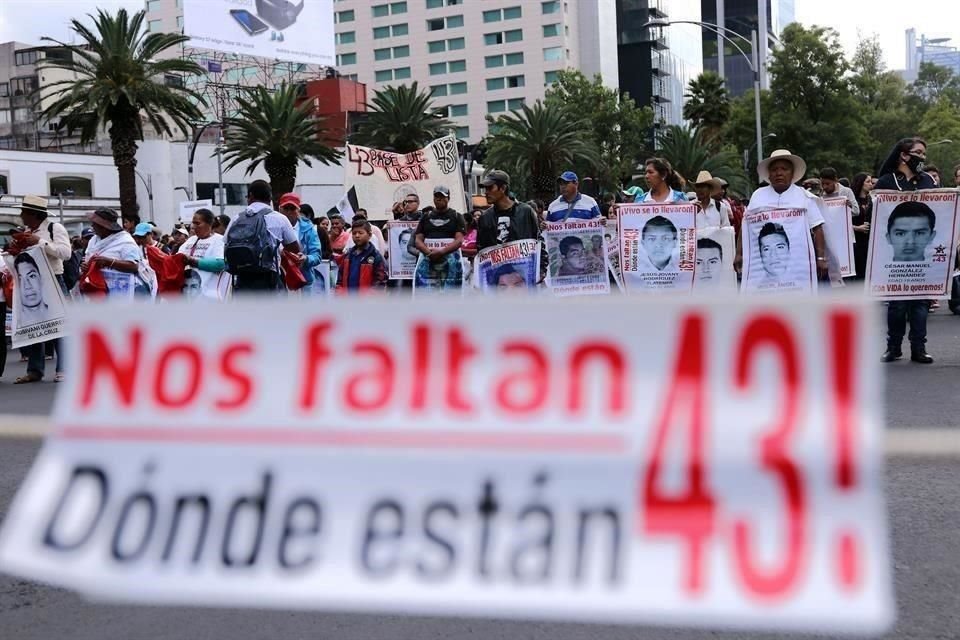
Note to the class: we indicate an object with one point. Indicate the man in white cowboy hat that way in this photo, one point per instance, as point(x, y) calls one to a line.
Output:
point(781, 171)
point(710, 215)
point(55, 240)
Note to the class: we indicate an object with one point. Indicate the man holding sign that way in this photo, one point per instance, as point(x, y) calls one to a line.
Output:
point(781, 170)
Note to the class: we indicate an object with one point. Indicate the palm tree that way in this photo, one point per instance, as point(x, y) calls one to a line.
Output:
point(691, 151)
point(401, 119)
point(117, 80)
point(707, 103)
point(538, 143)
point(270, 128)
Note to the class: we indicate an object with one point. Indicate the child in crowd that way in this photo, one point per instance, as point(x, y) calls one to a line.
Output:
point(363, 266)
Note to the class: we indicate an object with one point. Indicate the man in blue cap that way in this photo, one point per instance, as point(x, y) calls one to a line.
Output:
point(571, 203)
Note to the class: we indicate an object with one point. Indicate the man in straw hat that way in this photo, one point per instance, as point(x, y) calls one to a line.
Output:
point(781, 171)
point(55, 240)
point(708, 189)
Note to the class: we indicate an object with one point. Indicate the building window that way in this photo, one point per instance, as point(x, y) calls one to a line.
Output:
point(4, 89)
point(458, 88)
point(401, 73)
point(456, 44)
point(26, 57)
point(495, 84)
point(551, 30)
point(434, 4)
point(381, 32)
point(450, 22)
point(550, 77)
point(439, 46)
point(397, 8)
point(386, 75)
point(514, 58)
point(438, 91)
point(381, 10)
point(77, 186)
point(515, 104)
point(399, 30)
point(552, 54)
point(496, 106)
point(514, 82)
point(496, 15)
point(4, 118)
point(236, 192)
point(155, 26)
point(393, 8)
point(435, 25)
point(24, 86)
point(180, 22)
point(401, 52)
point(457, 66)
point(383, 76)
point(454, 22)
point(4, 183)
point(172, 80)
point(453, 66)
point(381, 54)
point(347, 37)
point(346, 58)
point(438, 68)
point(462, 132)
point(457, 110)
point(491, 62)
point(553, 6)
point(493, 38)
point(153, 5)
point(346, 16)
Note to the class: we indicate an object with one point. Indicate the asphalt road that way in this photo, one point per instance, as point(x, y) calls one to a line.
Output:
point(923, 497)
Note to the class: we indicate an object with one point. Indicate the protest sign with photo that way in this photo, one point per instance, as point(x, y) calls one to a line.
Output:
point(542, 459)
point(512, 265)
point(39, 309)
point(658, 247)
point(838, 229)
point(612, 240)
point(716, 251)
point(382, 178)
point(432, 275)
point(400, 262)
point(912, 244)
point(577, 253)
point(778, 252)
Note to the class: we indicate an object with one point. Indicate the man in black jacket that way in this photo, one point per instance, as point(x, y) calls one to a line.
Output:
point(506, 219)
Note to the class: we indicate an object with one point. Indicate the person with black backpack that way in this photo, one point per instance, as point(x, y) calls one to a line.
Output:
point(253, 240)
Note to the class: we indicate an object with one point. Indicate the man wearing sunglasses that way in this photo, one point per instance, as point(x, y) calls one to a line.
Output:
point(408, 209)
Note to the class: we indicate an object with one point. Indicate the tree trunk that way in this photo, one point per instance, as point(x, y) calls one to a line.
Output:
point(283, 177)
point(124, 142)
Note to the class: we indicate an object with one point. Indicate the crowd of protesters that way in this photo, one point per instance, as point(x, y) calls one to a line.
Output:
point(295, 250)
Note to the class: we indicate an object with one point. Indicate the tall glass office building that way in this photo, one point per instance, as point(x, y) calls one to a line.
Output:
point(657, 63)
point(742, 17)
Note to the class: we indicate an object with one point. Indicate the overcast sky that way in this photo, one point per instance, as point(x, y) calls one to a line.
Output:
point(28, 20)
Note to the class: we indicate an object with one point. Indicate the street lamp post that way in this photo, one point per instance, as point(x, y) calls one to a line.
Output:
point(148, 184)
point(221, 196)
point(752, 60)
point(192, 151)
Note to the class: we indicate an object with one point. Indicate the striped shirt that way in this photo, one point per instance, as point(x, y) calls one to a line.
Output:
point(583, 207)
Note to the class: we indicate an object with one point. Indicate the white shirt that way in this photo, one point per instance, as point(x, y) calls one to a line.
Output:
point(376, 238)
point(57, 247)
point(212, 285)
point(793, 198)
point(712, 217)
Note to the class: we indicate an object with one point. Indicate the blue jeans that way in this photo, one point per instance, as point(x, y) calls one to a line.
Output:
point(36, 353)
point(898, 313)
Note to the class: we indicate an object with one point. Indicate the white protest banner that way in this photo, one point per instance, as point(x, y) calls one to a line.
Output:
point(912, 244)
point(400, 263)
point(658, 247)
point(289, 30)
point(778, 252)
point(188, 207)
point(39, 309)
point(716, 251)
point(435, 276)
point(838, 229)
point(721, 466)
point(512, 265)
point(382, 178)
point(611, 238)
point(577, 253)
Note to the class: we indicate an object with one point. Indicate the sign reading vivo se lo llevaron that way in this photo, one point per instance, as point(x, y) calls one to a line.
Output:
point(549, 459)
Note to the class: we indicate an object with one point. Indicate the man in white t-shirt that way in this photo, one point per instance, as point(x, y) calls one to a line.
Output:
point(781, 170)
point(259, 198)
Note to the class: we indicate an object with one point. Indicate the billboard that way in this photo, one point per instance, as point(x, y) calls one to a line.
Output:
point(295, 31)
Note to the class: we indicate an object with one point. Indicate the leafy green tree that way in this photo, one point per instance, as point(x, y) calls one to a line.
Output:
point(116, 80)
point(536, 144)
point(401, 119)
point(270, 128)
point(692, 150)
point(940, 127)
point(616, 126)
point(707, 103)
point(935, 82)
